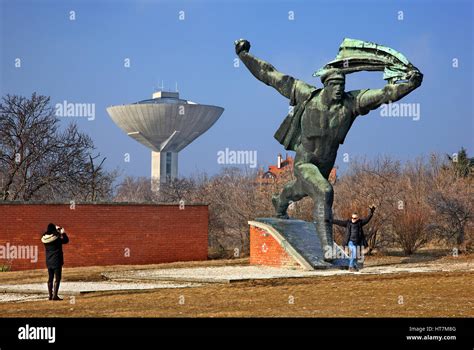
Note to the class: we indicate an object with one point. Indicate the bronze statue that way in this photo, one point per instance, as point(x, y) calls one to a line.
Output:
point(322, 117)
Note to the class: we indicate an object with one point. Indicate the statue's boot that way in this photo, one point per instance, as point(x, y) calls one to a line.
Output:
point(280, 209)
point(324, 230)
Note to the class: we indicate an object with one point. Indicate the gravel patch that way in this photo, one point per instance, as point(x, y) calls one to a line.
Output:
point(226, 274)
point(74, 288)
point(219, 274)
point(16, 297)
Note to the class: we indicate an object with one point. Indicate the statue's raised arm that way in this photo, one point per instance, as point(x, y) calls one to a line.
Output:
point(267, 74)
point(374, 98)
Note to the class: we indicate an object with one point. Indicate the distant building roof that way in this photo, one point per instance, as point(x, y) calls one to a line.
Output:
point(276, 171)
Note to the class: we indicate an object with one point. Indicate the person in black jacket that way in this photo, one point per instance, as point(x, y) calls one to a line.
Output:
point(53, 240)
point(354, 237)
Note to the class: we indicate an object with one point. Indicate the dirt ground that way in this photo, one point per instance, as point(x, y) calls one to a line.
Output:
point(438, 294)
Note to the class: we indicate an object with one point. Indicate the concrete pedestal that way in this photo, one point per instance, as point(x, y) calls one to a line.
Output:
point(292, 244)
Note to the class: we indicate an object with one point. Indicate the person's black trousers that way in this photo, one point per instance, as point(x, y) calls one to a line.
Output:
point(54, 273)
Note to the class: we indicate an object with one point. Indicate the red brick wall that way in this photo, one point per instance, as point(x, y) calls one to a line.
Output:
point(265, 250)
point(102, 234)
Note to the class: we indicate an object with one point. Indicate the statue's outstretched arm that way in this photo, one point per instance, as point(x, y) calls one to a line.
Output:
point(373, 99)
point(264, 71)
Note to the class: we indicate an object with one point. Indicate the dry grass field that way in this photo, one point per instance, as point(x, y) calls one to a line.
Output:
point(437, 294)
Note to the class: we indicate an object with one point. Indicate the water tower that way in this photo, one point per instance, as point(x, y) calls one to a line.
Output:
point(165, 124)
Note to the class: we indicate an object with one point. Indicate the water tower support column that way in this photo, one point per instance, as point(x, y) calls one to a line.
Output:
point(164, 166)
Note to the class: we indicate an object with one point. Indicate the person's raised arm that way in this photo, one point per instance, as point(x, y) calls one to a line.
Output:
point(366, 220)
point(264, 71)
point(374, 98)
point(63, 236)
point(339, 222)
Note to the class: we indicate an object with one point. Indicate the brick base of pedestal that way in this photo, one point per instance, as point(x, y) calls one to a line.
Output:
point(291, 244)
point(266, 250)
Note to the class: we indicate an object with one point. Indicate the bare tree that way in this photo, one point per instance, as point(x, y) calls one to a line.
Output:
point(96, 183)
point(233, 202)
point(366, 183)
point(177, 190)
point(39, 161)
point(410, 228)
point(135, 190)
point(411, 221)
point(451, 198)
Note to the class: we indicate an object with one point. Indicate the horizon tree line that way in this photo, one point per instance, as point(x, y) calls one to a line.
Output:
point(420, 202)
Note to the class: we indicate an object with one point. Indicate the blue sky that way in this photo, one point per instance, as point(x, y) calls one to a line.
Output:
point(82, 61)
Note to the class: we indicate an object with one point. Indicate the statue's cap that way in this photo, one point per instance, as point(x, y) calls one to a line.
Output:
point(332, 74)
